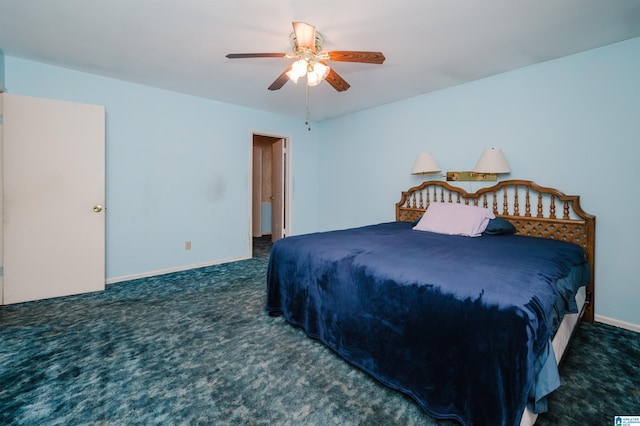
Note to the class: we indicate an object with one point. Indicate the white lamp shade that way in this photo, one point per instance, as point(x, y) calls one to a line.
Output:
point(313, 79)
point(425, 163)
point(298, 69)
point(293, 76)
point(492, 160)
point(322, 70)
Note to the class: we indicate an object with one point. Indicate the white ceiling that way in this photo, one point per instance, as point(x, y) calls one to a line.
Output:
point(180, 45)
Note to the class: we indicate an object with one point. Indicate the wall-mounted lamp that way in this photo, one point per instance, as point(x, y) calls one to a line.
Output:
point(491, 162)
point(425, 164)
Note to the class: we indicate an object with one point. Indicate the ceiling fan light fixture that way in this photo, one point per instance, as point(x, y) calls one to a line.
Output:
point(309, 58)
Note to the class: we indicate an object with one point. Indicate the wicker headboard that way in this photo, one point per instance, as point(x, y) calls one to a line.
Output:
point(534, 211)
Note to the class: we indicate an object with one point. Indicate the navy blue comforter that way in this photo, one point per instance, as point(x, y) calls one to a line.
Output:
point(455, 322)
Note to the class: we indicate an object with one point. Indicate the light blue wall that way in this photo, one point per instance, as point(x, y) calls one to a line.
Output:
point(571, 123)
point(177, 168)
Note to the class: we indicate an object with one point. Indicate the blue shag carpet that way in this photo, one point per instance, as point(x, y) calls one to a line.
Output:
point(196, 347)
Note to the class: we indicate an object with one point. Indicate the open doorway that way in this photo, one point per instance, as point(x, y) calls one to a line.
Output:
point(269, 206)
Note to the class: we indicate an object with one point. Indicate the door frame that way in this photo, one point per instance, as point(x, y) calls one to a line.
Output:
point(286, 179)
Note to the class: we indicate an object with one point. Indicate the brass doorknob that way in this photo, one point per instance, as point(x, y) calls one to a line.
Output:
point(97, 208)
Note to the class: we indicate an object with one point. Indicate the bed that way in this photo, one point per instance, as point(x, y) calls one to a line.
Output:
point(471, 327)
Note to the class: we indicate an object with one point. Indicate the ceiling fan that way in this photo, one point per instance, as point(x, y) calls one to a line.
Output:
point(307, 48)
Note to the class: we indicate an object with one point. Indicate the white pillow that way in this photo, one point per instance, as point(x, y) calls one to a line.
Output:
point(455, 219)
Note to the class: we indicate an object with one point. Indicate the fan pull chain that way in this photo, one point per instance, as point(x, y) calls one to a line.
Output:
point(308, 122)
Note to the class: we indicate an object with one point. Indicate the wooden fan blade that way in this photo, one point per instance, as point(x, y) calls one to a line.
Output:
point(354, 56)
point(255, 55)
point(281, 80)
point(336, 81)
point(305, 35)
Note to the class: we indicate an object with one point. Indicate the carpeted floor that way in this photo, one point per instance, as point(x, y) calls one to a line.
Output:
point(196, 347)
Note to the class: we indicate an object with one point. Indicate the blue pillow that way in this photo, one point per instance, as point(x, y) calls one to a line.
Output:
point(499, 226)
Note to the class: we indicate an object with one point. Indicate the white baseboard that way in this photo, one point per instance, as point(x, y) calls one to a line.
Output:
point(171, 270)
point(617, 323)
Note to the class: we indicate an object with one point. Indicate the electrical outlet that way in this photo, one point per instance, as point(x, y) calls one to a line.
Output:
point(187, 245)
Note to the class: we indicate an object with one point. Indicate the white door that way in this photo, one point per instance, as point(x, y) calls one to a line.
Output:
point(53, 217)
point(256, 197)
point(278, 179)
